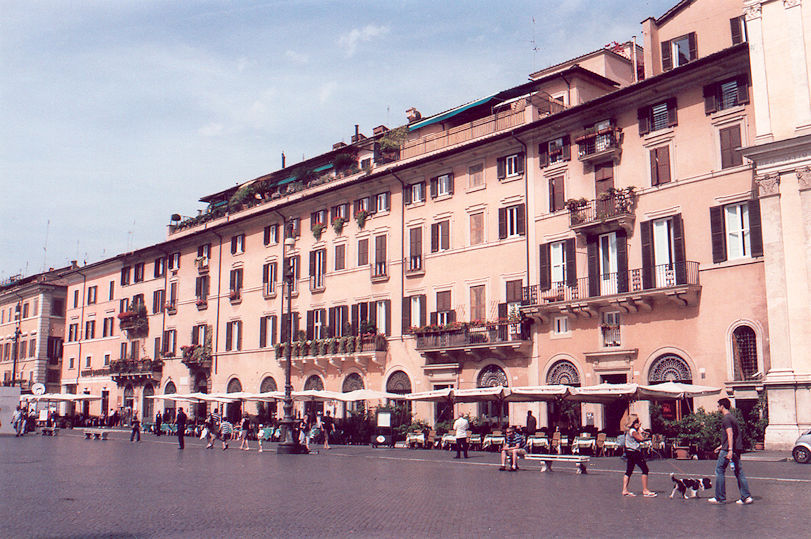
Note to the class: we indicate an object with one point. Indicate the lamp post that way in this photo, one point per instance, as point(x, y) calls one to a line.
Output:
point(16, 350)
point(289, 444)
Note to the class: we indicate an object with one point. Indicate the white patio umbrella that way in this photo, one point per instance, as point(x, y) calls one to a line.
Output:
point(603, 393)
point(481, 394)
point(368, 395)
point(436, 395)
point(266, 396)
point(317, 395)
point(237, 395)
point(675, 390)
point(537, 393)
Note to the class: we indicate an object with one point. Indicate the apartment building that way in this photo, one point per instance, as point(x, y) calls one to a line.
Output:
point(597, 223)
point(32, 328)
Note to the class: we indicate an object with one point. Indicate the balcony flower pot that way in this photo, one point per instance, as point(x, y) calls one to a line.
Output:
point(361, 218)
point(338, 224)
point(318, 230)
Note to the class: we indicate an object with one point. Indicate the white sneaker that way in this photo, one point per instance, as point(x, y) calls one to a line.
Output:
point(745, 501)
point(715, 501)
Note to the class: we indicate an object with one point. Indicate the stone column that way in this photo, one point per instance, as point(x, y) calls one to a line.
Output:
point(757, 62)
point(799, 73)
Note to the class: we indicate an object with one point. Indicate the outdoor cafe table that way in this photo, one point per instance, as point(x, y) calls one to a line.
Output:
point(496, 440)
point(448, 440)
point(611, 445)
point(582, 442)
point(414, 438)
point(537, 441)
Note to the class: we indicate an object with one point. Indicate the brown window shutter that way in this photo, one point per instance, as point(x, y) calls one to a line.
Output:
point(265, 274)
point(521, 220)
point(735, 30)
point(502, 223)
point(755, 232)
point(718, 234)
point(407, 195)
point(433, 183)
point(263, 328)
point(444, 235)
point(672, 113)
point(667, 60)
point(543, 156)
point(678, 249)
point(310, 324)
point(228, 334)
point(387, 306)
point(646, 233)
point(710, 98)
point(545, 266)
point(691, 39)
point(297, 267)
point(594, 267)
point(450, 183)
point(663, 157)
point(643, 119)
point(567, 148)
point(423, 307)
point(622, 261)
point(743, 89)
point(654, 169)
point(519, 163)
point(363, 252)
point(434, 237)
point(406, 314)
point(501, 168)
point(571, 263)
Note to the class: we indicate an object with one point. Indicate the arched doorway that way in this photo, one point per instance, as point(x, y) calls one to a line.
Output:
point(316, 383)
point(234, 409)
point(200, 386)
point(352, 382)
point(129, 403)
point(491, 376)
point(147, 403)
point(671, 368)
point(267, 410)
point(169, 405)
point(400, 384)
point(563, 414)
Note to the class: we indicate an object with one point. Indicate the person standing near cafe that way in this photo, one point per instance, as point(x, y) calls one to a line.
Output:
point(532, 424)
point(158, 423)
point(462, 429)
point(180, 422)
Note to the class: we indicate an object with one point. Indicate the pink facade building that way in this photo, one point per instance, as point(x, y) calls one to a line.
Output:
point(598, 223)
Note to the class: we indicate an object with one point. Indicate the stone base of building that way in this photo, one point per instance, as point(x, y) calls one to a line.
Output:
point(789, 414)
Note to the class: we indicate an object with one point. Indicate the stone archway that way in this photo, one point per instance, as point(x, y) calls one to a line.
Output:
point(492, 376)
point(234, 409)
point(169, 405)
point(671, 368)
point(148, 404)
point(316, 383)
point(563, 414)
point(266, 410)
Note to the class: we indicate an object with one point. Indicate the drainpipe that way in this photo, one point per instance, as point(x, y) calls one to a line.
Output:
point(281, 272)
point(17, 340)
point(80, 332)
point(402, 247)
point(526, 201)
point(216, 336)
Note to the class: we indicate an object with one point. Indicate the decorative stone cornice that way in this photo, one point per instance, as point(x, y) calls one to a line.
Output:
point(791, 3)
point(768, 184)
point(752, 12)
point(804, 178)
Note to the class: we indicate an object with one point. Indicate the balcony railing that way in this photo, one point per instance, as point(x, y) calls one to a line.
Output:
point(465, 336)
point(633, 281)
point(342, 346)
point(596, 145)
point(379, 271)
point(617, 205)
point(134, 368)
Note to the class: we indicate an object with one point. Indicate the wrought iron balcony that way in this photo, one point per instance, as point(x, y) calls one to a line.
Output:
point(615, 208)
point(466, 338)
point(135, 370)
point(597, 145)
point(336, 350)
point(635, 289)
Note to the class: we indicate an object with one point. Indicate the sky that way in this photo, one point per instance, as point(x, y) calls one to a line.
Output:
point(116, 114)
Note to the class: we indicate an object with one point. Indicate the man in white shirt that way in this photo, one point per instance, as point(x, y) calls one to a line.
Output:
point(462, 428)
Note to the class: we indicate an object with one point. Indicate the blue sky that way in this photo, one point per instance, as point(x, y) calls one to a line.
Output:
point(116, 114)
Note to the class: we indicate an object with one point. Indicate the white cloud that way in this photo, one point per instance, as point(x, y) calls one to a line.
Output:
point(350, 41)
point(297, 57)
point(211, 130)
point(326, 91)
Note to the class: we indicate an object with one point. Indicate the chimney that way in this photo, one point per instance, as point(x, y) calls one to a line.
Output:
point(413, 115)
point(380, 129)
point(357, 136)
point(283, 159)
point(74, 264)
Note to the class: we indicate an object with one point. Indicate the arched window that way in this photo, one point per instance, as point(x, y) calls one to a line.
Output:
point(268, 384)
point(266, 410)
point(492, 376)
point(147, 404)
point(352, 382)
point(399, 383)
point(169, 405)
point(669, 368)
point(564, 373)
point(311, 408)
point(744, 353)
point(234, 409)
point(314, 382)
point(234, 386)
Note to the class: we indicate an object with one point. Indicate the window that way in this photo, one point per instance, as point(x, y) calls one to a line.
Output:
point(73, 332)
point(730, 140)
point(363, 252)
point(90, 329)
point(316, 324)
point(477, 228)
point(414, 312)
point(291, 263)
point(475, 176)
point(158, 300)
point(603, 178)
point(203, 256)
point(610, 328)
point(238, 244)
point(362, 204)
point(737, 27)
point(108, 327)
point(726, 94)
point(25, 310)
point(558, 150)
point(111, 294)
point(560, 325)
point(382, 202)
point(660, 165)
point(235, 285)
point(366, 164)
point(233, 335)
point(106, 360)
point(380, 269)
point(173, 294)
point(340, 257)
point(123, 350)
point(477, 304)
point(663, 255)
point(125, 276)
point(160, 267)
point(440, 236)
point(737, 230)
point(442, 185)
point(510, 166)
point(318, 218)
point(511, 221)
point(382, 310)
point(123, 305)
point(292, 228)
point(57, 307)
point(659, 116)
point(23, 349)
point(679, 51)
point(269, 278)
point(138, 272)
point(70, 362)
point(557, 196)
point(318, 267)
point(339, 211)
point(267, 331)
point(414, 193)
point(92, 293)
point(75, 301)
point(443, 314)
point(137, 299)
point(201, 287)
point(744, 353)
point(271, 235)
point(414, 249)
point(169, 343)
point(199, 334)
point(557, 267)
point(173, 263)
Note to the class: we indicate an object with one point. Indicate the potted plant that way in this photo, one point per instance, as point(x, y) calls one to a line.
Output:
point(361, 217)
point(318, 229)
point(338, 224)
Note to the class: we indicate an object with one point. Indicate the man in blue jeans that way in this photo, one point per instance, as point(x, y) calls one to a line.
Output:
point(729, 453)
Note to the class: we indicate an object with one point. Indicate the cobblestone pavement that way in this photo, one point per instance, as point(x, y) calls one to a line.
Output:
point(68, 486)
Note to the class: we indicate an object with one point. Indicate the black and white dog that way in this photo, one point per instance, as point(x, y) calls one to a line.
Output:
point(689, 487)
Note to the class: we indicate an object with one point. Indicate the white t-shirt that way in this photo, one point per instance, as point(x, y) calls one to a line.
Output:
point(461, 426)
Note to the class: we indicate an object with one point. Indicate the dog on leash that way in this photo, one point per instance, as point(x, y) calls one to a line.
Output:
point(689, 487)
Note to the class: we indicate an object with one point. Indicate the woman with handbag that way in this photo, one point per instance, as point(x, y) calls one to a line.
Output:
point(635, 457)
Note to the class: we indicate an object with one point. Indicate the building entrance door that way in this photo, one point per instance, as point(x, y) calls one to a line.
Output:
point(613, 412)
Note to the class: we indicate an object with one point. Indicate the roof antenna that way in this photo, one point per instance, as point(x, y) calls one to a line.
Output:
point(534, 46)
point(45, 247)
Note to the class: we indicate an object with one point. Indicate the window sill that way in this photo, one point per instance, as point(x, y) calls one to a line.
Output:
point(379, 278)
point(475, 188)
point(415, 273)
point(442, 197)
point(417, 204)
point(317, 289)
point(555, 169)
point(514, 178)
point(731, 114)
point(269, 295)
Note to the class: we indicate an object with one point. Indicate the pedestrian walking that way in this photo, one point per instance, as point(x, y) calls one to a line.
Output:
point(226, 429)
point(158, 423)
point(461, 428)
point(244, 432)
point(210, 429)
point(328, 427)
point(304, 431)
point(729, 454)
point(16, 421)
point(635, 457)
point(532, 424)
point(136, 429)
point(180, 422)
point(260, 433)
